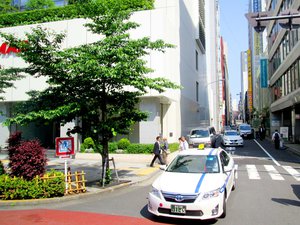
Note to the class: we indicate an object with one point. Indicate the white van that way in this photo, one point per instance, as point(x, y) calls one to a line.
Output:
point(245, 130)
point(201, 135)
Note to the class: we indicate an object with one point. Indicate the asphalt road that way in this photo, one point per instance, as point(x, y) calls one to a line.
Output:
point(268, 193)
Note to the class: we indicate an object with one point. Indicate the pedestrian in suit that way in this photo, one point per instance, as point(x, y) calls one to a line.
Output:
point(156, 152)
point(276, 139)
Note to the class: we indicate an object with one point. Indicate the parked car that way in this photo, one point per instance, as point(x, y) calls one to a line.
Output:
point(201, 135)
point(246, 131)
point(195, 185)
point(232, 138)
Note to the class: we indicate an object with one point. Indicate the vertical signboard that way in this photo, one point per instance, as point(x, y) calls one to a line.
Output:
point(263, 73)
point(250, 99)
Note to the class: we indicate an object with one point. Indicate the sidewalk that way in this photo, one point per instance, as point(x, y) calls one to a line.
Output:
point(131, 168)
point(294, 148)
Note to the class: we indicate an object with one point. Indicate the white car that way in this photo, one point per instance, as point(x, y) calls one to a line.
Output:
point(195, 185)
point(232, 138)
point(245, 130)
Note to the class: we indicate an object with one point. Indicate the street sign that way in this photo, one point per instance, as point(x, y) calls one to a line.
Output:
point(64, 146)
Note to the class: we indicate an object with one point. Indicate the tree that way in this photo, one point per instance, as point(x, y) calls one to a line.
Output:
point(100, 82)
point(39, 4)
point(7, 77)
point(6, 7)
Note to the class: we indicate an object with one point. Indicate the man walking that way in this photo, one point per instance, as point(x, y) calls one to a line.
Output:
point(276, 139)
point(156, 152)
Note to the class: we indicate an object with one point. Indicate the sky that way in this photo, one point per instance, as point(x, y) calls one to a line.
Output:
point(234, 30)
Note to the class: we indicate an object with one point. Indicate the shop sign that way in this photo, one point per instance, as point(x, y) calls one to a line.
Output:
point(263, 73)
point(6, 49)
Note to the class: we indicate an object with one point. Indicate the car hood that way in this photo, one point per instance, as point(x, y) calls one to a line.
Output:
point(188, 182)
point(199, 139)
point(234, 138)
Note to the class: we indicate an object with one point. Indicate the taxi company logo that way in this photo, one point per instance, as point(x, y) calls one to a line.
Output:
point(179, 198)
point(6, 49)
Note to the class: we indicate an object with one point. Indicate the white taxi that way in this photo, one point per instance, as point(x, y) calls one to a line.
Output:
point(195, 185)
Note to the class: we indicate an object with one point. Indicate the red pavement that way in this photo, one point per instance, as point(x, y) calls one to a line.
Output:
point(53, 217)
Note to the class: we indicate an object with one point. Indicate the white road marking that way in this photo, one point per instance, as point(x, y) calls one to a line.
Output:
point(275, 175)
point(274, 160)
point(252, 172)
point(292, 171)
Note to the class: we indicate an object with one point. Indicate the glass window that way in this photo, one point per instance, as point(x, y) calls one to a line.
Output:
point(196, 58)
point(224, 158)
point(195, 164)
point(197, 91)
point(200, 133)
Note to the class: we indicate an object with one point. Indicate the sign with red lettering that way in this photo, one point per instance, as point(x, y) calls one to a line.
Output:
point(6, 49)
point(64, 146)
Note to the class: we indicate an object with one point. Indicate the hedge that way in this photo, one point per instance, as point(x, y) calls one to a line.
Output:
point(12, 188)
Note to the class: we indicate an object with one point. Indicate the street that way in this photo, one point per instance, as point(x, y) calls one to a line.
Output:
point(267, 193)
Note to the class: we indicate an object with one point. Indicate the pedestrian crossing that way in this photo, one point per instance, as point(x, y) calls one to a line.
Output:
point(276, 173)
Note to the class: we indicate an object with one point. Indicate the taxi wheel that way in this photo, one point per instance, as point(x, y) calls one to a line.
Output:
point(224, 207)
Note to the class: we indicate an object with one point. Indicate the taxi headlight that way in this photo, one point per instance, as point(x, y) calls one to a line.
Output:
point(156, 192)
point(211, 194)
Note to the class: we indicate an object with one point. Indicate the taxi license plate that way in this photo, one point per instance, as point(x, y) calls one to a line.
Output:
point(179, 209)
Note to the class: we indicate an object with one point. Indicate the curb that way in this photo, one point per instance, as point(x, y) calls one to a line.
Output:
point(28, 202)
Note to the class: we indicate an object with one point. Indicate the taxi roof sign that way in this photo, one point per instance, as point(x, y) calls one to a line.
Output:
point(201, 146)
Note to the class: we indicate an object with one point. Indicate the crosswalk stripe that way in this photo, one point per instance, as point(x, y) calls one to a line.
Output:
point(252, 172)
point(292, 171)
point(275, 175)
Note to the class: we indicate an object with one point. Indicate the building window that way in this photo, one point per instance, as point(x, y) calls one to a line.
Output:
point(196, 58)
point(197, 91)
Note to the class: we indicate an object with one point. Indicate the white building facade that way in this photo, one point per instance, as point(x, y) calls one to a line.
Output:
point(172, 113)
point(213, 56)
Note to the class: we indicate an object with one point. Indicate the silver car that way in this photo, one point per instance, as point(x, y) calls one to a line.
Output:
point(232, 138)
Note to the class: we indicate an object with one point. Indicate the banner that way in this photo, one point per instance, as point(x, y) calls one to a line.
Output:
point(250, 100)
point(263, 73)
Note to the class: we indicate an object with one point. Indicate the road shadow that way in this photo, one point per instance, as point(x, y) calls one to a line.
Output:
point(287, 202)
point(175, 221)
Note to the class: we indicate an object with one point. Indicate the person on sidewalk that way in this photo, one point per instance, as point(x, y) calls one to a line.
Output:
point(183, 144)
point(156, 152)
point(262, 132)
point(165, 150)
point(276, 139)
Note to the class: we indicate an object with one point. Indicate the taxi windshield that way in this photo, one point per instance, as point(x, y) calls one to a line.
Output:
point(200, 133)
point(194, 164)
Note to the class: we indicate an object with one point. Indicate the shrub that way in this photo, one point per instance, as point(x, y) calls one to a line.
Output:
point(28, 160)
point(87, 144)
point(139, 148)
point(2, 171)
point(13, 141)
point(174, 147)
point(123, 143)
point(112, 147)
point(19, 188)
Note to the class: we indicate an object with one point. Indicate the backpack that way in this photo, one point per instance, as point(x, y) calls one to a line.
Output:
point(276, 136)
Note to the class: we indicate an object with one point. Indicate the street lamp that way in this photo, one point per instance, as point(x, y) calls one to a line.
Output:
point(288, 19)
